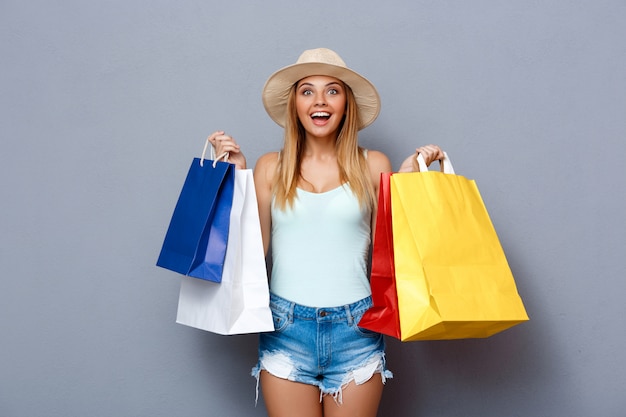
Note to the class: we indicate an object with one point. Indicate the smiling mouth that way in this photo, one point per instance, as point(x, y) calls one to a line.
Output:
point(320, 115)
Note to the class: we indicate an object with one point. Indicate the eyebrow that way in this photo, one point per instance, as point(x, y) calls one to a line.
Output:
point(327, 85)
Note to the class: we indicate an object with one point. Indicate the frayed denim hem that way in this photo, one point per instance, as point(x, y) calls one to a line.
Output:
point(279, 365)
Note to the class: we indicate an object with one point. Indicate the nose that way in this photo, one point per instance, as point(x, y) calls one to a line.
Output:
point(320, 99)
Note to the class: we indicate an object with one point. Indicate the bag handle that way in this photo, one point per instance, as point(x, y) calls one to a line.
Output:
point(446, 165)
point(212, 155)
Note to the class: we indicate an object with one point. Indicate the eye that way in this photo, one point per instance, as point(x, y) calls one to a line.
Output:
point(306, 92)
point(333, 91)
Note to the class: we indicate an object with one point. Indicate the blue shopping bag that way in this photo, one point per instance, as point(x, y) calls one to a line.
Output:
point(196, 239)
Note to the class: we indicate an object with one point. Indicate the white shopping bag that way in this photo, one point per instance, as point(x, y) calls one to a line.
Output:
point(240, 303)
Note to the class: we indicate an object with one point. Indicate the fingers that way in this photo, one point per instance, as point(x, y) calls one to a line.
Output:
point(223, 142)
point(430, 153)
point(212, 137)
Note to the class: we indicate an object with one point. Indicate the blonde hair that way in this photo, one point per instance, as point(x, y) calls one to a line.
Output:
point(353, 168)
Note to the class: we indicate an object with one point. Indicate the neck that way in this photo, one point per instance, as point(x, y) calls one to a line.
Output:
point(320, 145)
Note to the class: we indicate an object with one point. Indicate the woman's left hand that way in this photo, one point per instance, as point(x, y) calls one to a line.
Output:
point(430, 153)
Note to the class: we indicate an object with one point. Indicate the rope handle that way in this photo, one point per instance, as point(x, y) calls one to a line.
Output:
point(212, 154)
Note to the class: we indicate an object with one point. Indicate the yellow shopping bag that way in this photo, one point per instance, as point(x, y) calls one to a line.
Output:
point(453, 280)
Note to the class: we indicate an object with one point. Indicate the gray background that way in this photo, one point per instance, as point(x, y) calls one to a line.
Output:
point(103, 104)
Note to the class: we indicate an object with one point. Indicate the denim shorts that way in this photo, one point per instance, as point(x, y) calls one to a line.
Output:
point(321, 346)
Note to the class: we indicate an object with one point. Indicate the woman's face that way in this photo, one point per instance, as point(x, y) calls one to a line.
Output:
point(321, 105)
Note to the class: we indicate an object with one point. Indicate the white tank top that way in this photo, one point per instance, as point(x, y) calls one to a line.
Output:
point(320, 249)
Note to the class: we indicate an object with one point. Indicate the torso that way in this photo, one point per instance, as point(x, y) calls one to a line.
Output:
point(320, 248)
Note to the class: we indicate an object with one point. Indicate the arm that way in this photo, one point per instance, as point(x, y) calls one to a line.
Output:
point(378, 163)
point(429, 152)
point(264, 175)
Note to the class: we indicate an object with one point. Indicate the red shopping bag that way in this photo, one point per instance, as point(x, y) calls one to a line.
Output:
point(383, 317)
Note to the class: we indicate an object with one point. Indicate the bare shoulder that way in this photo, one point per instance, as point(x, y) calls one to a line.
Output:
point(378, 162)
point(268, 160)
point(265, 167)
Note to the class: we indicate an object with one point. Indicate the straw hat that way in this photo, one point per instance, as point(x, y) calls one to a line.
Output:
point(319, 61)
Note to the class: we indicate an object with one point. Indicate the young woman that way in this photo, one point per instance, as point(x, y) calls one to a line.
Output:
point(317, 203)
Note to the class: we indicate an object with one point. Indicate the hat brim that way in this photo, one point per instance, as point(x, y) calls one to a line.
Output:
point(278, 85)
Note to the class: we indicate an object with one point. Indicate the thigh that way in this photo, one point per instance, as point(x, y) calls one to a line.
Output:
point(284, 398)
point(357, 400)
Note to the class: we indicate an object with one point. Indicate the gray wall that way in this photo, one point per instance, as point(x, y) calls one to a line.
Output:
point(103, 105)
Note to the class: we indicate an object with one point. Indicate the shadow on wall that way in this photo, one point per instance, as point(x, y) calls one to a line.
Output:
point(211, 381)
point(452, 372)
point(445, 377)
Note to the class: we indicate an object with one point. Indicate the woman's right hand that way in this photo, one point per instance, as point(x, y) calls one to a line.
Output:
point(225, 143)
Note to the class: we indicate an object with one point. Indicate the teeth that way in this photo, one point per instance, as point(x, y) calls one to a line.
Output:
point(320, 114)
